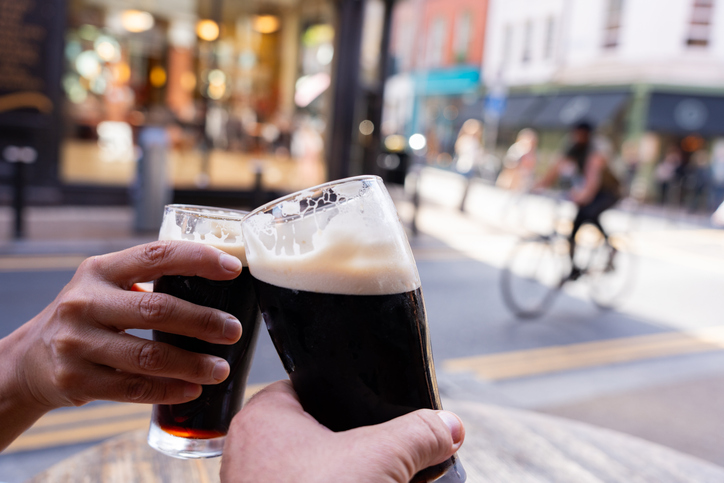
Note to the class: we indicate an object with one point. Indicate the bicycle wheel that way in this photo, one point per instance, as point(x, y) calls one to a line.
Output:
point(533, 275)
point(611, 272)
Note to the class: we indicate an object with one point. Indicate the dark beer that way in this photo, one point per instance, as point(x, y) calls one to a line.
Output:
point(339, 291)
point(354, 360)
point(197, 429)
point(210, 414)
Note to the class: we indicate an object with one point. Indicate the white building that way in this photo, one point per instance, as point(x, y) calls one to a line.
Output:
point(649, 70)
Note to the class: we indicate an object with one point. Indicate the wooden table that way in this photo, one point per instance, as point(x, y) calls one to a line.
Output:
point(502, 445)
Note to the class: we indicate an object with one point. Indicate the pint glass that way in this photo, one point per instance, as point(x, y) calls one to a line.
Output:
point(197, 429)
point(339, 291)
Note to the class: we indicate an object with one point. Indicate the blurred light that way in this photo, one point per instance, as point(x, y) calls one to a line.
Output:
point(388, 161)
point(247, 60)
point(77, 94)
point(217, 77)
point(417, 141)
point(265, 24)
point(98, 85)
point(188, 81)
point(137, 20)
point(115, 141)
point(395, 143)
point(207, 30)
point(450, 113)
point(72, 50)
point(88, 32)
point(366, 127)
point(107, 49)
point(325, 53)
point(157, 76)
point(216, 91)
point(121, 72)
point(309, 87)
point(318, 34)
point(87, 64)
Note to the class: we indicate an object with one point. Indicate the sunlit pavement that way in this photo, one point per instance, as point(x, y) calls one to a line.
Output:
point(652, 368)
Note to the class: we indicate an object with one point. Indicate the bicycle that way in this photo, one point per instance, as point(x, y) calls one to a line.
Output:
point(539, 266)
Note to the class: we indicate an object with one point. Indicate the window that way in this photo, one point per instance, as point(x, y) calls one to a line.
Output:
point(461, 42)
point(550, 32)
point(700, 23)
point(505, 45)
point(436, 43)
point(612, 28)
point(527, 41)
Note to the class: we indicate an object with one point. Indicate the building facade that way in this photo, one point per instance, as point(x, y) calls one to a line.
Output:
point(437, 51)
point(648, 73)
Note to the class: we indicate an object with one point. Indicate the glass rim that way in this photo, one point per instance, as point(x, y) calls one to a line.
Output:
point(213, 212)
point(263, 208)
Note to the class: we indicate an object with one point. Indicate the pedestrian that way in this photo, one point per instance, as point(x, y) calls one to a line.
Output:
point(666, 172)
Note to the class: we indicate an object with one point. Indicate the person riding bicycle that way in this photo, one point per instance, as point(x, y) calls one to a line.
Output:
point(593, 186)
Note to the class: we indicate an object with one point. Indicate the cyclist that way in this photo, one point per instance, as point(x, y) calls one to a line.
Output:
point(593, 186)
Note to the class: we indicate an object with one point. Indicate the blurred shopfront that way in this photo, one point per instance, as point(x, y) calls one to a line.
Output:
point(241, 88)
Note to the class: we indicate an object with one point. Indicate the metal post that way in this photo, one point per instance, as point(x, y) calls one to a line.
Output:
point(348, 41)
point(19, 199)
point(376, 97)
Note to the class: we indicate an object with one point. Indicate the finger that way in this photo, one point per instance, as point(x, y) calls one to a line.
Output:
point(134, 310)
point(111, 385)
point(152, 358)
point(156, 259)
point(411, 442)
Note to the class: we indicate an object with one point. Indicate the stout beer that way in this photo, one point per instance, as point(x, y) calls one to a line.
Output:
point(197, 428)
point(340, 294)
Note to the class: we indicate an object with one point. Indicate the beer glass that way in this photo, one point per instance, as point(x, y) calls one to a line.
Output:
point(197, 429)
point(339, 291)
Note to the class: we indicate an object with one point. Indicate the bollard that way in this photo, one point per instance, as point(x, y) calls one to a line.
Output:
point(19, 156)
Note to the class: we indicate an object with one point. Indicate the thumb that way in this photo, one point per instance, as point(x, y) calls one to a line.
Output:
point(410, 443)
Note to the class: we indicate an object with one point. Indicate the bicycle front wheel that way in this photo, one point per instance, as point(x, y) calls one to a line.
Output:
point(533, 276)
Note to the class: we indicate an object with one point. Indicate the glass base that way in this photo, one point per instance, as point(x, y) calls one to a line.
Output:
point(455, 474)
point(184, 448)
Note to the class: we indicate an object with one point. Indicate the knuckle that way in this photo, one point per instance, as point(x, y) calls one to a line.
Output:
point(72, 305)
point(151, 357)
point(156, 253)
point(154, 306)
point(436, 439)
point(210, 324)
point(141, 389)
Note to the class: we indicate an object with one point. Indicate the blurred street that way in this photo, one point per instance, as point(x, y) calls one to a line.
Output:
point(652, 368)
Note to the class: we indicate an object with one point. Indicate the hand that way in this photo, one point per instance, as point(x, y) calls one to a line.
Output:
point(77, 350)
point(272, 438)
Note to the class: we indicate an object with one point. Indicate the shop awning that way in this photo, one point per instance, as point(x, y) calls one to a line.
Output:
point(453, 81)
point(564, 110)
point(686, 114)
point(560, 111)
point(520, 111)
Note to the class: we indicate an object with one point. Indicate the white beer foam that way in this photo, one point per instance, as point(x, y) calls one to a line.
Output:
point(222, 234)
point(364, 252)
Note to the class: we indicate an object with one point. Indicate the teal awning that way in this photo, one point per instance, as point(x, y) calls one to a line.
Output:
point(445, 82)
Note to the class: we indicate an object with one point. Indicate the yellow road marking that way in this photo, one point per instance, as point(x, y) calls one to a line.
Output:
point(40, 263)
point(86, 424)
point(532, 362)
point(30, 441)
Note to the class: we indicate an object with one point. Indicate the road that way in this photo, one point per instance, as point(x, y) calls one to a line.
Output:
point(653, 368)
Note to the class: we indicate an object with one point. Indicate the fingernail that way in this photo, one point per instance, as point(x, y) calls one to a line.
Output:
point(192, 390)
point(454, 425)
point(232, 328)
point(221, 371)
point(230, 262)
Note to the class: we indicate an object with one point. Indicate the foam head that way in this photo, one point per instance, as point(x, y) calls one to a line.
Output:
point(343, 237)
point(217, 227)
